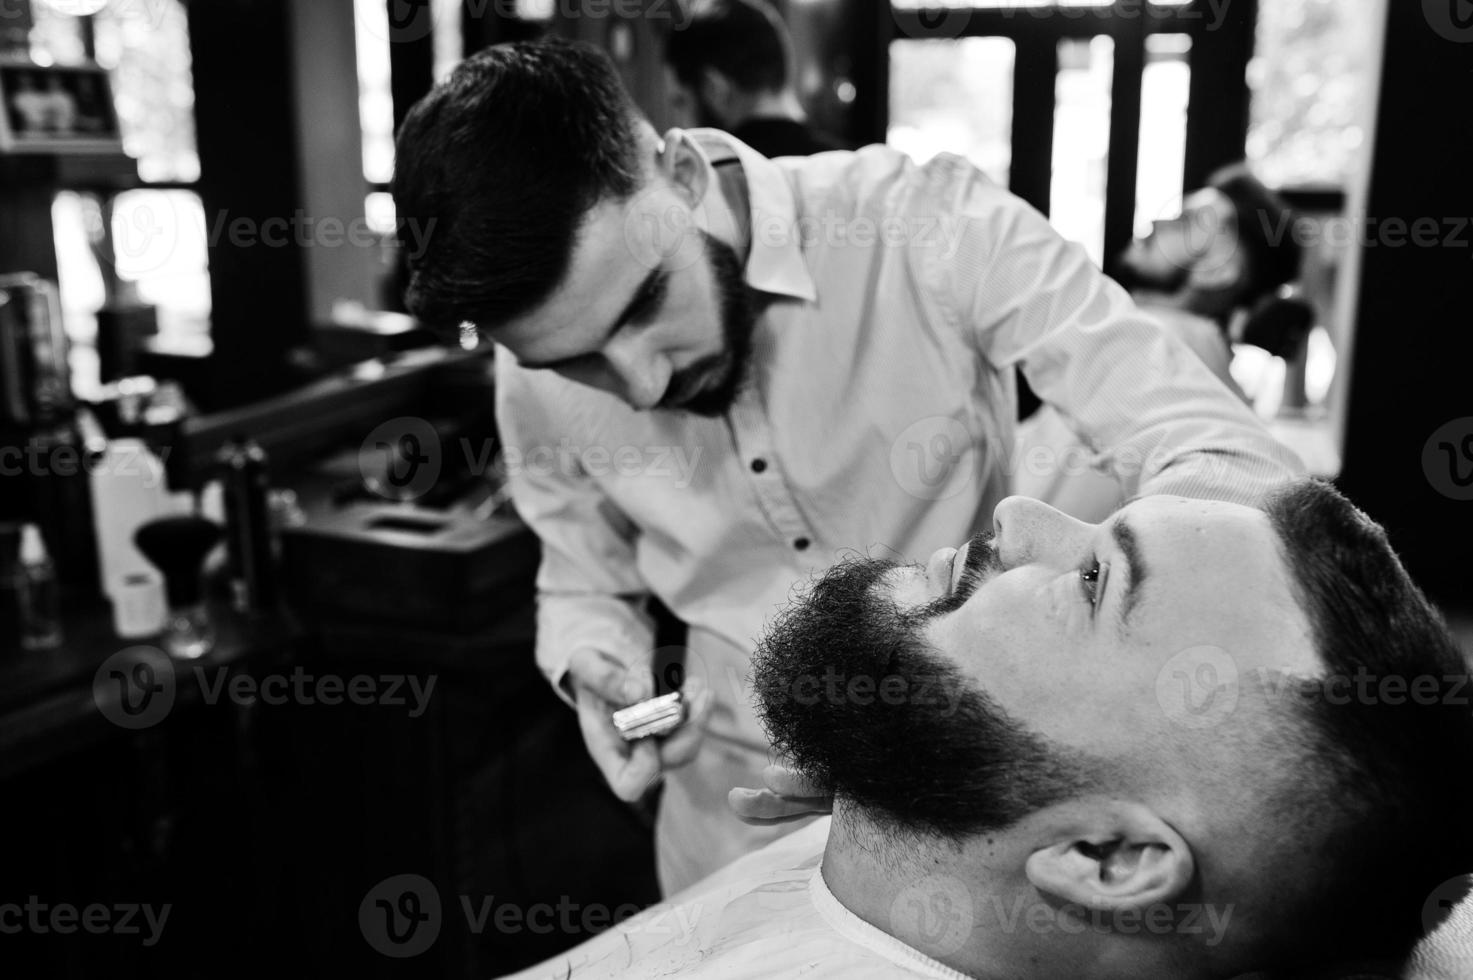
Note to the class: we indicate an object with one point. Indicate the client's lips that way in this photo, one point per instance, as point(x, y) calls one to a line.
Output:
point(939, 569)
point(958, 567)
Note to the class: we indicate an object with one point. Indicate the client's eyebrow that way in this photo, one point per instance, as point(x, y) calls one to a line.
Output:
point(651, 289)
point(1135, 566)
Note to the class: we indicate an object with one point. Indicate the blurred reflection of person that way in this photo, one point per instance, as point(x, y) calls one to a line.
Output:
point(1204, 274)
point(91, 106)
point(61, 108)
point(29, 107)
point(730, 67)
point(1230, 249)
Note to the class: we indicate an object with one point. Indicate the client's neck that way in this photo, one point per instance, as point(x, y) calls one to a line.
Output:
point(969, 906)
point(931, 895)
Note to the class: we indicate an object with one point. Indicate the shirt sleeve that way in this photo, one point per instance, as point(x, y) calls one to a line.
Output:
point(589, 591)
point(1160, 420)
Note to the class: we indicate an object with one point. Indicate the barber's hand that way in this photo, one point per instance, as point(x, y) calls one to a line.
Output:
point(602, 685)
point(784, 796)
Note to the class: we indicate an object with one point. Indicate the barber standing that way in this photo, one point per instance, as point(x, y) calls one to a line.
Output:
point(717, 372)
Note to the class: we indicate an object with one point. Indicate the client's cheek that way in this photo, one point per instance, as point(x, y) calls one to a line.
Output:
point(904, 585)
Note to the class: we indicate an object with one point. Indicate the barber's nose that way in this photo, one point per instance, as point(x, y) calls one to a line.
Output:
point(1027, 531)
point(643, 373)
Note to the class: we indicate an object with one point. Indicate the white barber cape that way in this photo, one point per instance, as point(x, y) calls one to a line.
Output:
point(768, 914)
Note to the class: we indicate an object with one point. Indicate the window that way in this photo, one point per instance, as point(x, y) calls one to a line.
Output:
point(1310, 81)
point(145, 47)
point(954, 96)
point(1163, 139)
point(149, 244)
point(1082, 141)
point(376, 94)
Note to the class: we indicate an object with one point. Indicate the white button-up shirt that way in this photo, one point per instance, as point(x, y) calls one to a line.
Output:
point(879, 415)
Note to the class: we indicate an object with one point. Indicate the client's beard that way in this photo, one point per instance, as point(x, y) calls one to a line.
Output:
point(850, 691)
point(1133, 277)
point(728, 368)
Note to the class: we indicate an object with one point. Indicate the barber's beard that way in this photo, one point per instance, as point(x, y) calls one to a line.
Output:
point(851, 692)
point(710, 386)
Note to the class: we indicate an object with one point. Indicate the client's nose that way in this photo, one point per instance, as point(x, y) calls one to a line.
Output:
point(1028, 530)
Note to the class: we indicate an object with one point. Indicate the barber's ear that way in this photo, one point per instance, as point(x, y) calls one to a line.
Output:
point(683, 165)
point(1120, 857)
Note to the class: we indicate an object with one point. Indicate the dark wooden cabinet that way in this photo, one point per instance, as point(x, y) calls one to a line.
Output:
point(263, 827)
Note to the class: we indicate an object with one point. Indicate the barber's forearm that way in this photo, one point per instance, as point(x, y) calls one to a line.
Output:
point(1207, 459)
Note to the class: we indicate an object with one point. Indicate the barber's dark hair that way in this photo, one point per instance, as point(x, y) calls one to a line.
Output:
point(499, 166)
point(1386, 810)
point(1265, 229)
point(744, 40)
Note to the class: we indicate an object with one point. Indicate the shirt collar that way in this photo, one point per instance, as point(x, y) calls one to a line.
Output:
point(775, 262)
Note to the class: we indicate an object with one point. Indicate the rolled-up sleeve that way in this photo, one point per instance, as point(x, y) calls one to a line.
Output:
point(589, 592)
point(1135, 394)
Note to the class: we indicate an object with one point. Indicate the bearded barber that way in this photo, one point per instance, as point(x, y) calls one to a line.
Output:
point(829, 343)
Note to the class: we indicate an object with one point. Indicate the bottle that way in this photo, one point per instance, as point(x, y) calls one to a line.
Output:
point(248, 526)
point(40, 599)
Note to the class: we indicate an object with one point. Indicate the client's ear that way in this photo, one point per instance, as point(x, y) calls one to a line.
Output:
point(1115, 856)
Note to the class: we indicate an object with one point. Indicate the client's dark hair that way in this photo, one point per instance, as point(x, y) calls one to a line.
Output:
point(1386, 810)
point(498, 167)
point(1265, 229)
point(742, 39)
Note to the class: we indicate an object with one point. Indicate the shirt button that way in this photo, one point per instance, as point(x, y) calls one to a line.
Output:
point(759, 465)
point(802, 544)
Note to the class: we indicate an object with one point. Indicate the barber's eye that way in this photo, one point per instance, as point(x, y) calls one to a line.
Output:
point(1092, 580)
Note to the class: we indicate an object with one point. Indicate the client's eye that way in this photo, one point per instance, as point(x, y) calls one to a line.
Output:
point(1092, 580)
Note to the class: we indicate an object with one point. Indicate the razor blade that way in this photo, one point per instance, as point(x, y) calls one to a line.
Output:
point(656, 716)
